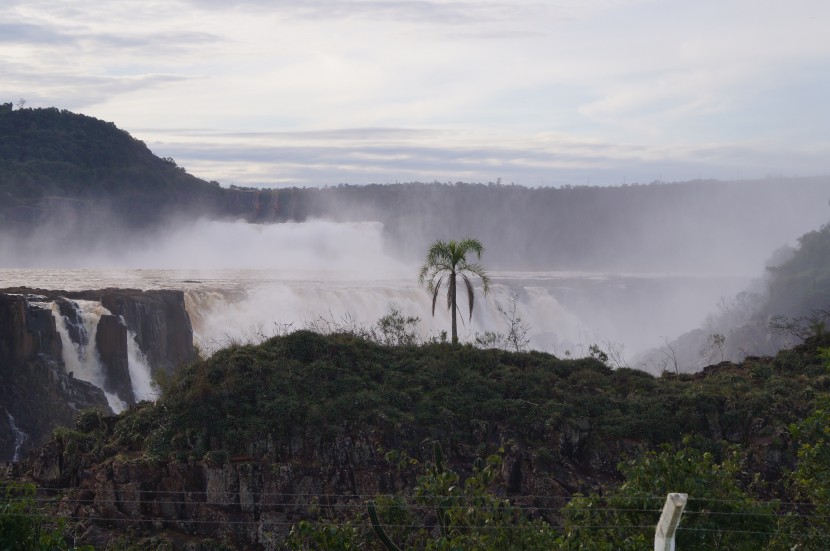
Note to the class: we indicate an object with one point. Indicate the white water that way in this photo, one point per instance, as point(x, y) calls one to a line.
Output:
point(140, 373)
point(565, 311)
point(19, 436)
point(82, 359)
point(271, 307)
point(84, 362)
point(286, 276)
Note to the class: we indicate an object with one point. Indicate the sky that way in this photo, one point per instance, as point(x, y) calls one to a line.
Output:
point(273, 93)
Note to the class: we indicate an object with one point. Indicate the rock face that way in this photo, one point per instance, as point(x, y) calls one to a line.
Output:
point(25, 331)
point(250, 502)
point(36, 393)
point(111, 343)
point(159, 321)
point(246, 502)
point(51, 340)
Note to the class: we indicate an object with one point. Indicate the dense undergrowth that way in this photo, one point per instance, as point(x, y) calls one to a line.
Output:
point(752, 432)
point(305, 383)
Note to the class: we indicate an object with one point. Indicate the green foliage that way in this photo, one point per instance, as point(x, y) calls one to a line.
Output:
point(720, 514)
point(304, 383)
point(446, 262)
point(395, 329)
point(445, 514)
point(50, 156)
point(802, 284)
point(24, 527)
point(811, 477)
point(595, 352)
point(376, 526)
point(259, 400)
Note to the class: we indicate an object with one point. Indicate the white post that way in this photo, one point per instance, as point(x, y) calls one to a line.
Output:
point(667, 525)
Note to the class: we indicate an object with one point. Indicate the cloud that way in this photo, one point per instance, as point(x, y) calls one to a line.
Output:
point(656, 80)
point(443, 13)
point(29, 33)
point(75, 91)
point(363, 156)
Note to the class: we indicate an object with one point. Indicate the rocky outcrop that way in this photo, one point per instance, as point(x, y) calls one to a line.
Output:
point(39, 391)
point(111, 344)
point(159, 321)
point(26, 330)
point(247, 502)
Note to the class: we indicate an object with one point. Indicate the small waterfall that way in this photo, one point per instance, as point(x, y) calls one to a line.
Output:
point(19, 436)
point(81, 358)
point(140, 374)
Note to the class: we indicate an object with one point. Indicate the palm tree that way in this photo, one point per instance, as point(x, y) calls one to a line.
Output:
point(444, 264)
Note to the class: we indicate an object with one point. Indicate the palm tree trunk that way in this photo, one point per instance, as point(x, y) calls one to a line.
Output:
point(454, 310)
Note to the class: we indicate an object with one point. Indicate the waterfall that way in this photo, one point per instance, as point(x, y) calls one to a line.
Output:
point(82, 358)
point(19, 436)
point(140, 373)
point(221, 317)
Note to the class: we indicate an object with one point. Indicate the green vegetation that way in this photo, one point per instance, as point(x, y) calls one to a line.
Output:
point(305, 383)
point(442, 513)
point(802, 283)
point(23, 524)
point(729, 434)
point(448, 262)
point(721, 514)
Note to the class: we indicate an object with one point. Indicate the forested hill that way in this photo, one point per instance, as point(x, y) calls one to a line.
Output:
point(56, 164)
point(51, 158)
point(698, 226)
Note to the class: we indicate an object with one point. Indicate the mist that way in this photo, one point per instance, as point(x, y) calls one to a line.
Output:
point(316, 249)
point(698, 227)
point(244, 282)
point(624, 268)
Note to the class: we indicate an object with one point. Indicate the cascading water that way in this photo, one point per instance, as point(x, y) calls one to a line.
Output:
point(220, 318)
point(243, 281)
point(19, 436)
point(140, 377)
point(81, 357)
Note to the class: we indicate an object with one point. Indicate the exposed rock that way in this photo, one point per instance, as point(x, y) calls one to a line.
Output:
point(111, 342)
point(26, 331)
point(160, 323)
point(35, 387)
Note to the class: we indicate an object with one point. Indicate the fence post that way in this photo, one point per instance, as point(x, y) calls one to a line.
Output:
point(669, 519)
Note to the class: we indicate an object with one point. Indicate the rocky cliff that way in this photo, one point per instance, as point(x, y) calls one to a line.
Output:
point(61, 352)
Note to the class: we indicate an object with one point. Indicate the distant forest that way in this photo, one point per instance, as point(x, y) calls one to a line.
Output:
point(61, 167)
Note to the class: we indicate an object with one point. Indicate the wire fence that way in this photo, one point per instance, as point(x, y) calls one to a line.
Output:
point(282, 510)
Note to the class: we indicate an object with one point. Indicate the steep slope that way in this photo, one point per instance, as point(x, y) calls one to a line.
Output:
point(790, 302)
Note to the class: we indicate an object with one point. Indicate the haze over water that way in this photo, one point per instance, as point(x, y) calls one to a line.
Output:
point(289, 276)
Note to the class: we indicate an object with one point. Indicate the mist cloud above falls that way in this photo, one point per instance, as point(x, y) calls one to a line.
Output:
point(316, 249)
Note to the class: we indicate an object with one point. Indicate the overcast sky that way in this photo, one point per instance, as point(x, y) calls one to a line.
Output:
point(321, 92)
